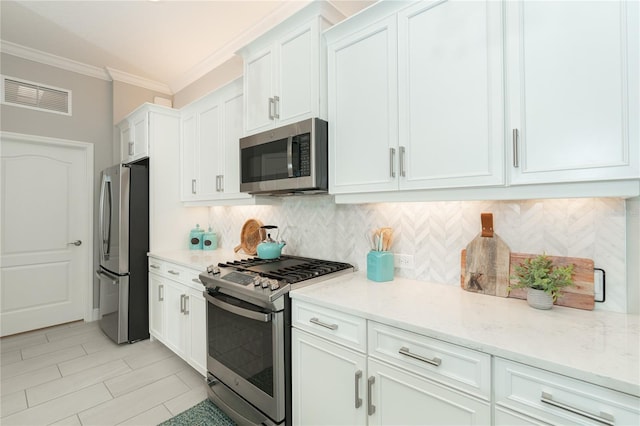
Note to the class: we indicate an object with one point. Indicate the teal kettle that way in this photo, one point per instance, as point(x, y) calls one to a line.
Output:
point(270, 248)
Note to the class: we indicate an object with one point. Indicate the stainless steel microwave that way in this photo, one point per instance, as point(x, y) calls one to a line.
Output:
point(287, 160)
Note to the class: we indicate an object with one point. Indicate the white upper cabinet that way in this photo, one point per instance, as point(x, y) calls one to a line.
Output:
point(211, 130)
point(572, 78)
point(284, 70)
point(450, 95)
point(363, 109)
point(416, 99)
point(134, 136)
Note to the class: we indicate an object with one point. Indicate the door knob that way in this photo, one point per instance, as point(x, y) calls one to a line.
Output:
point(75, 243)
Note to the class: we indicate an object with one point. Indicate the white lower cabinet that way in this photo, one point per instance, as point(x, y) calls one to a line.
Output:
point(177, 312)
point(529, 395)
point(344, 375)
point(398, 397)
point(332, 367)
point(328, 382)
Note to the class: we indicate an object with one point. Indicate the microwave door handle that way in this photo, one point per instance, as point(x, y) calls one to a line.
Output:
point(290, 156)
point(258, 316)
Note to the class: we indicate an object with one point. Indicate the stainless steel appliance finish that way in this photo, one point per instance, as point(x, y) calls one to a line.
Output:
point(288, 160)
point(123, 243)
point(249, 367)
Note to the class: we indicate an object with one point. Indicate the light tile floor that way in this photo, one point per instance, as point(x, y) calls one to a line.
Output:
point(73, 374)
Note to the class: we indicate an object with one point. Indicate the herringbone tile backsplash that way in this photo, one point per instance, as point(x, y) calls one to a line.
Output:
point(436, 232)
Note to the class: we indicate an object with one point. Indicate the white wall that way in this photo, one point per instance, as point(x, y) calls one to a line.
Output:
point(436, 232)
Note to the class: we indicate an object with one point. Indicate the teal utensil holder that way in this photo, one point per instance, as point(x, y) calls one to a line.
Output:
point(380, 266)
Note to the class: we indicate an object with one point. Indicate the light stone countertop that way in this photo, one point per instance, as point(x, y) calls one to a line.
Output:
point(198, 259)
point(595, 346)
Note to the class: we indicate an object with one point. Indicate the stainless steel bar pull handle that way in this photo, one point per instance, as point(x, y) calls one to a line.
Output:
point(196, 280)
point(604, 418)
point(358, 399)
point(323, 324)
point(272, 108)
point(154, 266)
point(130, 148)
point(433, 361)
point(193, 186)
point(182, 303)
point(276, 101)
point(161, 293)
point(516, 158)
point(402, 165)
point(172, 272)
point(392, 162)
point(371, 409)
point(186, 304)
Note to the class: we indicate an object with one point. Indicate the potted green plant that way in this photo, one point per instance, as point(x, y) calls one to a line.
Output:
point(543, 280)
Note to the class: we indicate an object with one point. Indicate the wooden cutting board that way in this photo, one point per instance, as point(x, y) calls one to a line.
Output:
point(580, 296)
point(486, 269)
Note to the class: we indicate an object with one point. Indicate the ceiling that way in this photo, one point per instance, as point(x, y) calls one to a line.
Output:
point(170, 42)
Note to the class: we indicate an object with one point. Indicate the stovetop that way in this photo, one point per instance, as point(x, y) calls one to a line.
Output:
point(263, 281)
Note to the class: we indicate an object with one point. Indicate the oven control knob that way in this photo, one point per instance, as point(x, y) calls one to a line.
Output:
point(274, 285)
point(265, 282)
point(256, 281)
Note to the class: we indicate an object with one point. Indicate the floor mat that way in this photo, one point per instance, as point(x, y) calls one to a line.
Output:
point(204, 414)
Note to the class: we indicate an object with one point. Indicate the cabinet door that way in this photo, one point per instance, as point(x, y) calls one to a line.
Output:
point(197, 317)
point(126, 141)
point(259, 92)
point(327, 381)
point(363, 110)
point(297, 75)
point(232, 132)
point(156, 306)
point(451, 99)
point(140, 130)
point(188, 155)
point(210, 150)
point(175, 330)
point(573, 90)
point(402, 398)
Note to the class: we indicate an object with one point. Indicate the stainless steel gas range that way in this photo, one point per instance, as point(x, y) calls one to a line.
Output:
point(249, 333)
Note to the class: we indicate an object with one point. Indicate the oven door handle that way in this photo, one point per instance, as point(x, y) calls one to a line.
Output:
point(258, 316)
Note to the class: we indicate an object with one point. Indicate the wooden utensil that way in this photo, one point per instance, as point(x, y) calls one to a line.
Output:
point(386, 236)
point(250, 236)
point(580, 296)
point(486, 268)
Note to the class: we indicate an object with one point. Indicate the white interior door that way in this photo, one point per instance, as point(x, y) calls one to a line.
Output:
point(46, 216)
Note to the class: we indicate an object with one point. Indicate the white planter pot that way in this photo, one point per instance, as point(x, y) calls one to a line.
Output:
point(539, 299)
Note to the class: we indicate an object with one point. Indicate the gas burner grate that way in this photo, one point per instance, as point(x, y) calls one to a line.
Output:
point(301, 269)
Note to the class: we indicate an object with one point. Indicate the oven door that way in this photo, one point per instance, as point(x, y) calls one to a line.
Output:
point(245, 351)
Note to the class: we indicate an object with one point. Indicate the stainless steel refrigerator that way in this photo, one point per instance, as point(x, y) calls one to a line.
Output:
point(123, 243)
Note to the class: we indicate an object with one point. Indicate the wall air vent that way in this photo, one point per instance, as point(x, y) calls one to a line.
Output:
point(35, 96)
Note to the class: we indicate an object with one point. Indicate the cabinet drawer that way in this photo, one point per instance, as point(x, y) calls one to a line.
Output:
point(459, 367)
point(558, 399)
point(348, 330)
point(157, 266)
point(181, 274)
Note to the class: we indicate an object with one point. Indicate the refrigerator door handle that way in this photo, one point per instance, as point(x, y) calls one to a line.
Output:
point(101, 274)
point(105, 234)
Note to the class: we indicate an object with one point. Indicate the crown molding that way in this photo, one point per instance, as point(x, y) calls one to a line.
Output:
point(106, 73)
point(52, 60)
point(222, 55)
point(124, 77)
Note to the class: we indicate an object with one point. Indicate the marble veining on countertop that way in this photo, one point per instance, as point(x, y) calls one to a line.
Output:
point(595, 346)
